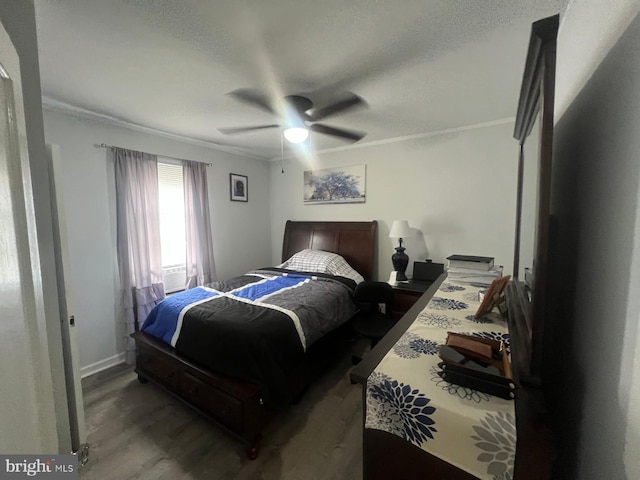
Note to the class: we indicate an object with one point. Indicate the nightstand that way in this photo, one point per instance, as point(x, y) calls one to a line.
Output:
point(406, 294)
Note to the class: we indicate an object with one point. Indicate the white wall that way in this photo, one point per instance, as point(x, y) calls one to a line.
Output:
point(418, 179)
point(240, 230)
point(587, 32)
point(457, 190)
point(597, 307)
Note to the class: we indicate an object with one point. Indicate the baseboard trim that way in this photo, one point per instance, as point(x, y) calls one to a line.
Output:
point(102, 365)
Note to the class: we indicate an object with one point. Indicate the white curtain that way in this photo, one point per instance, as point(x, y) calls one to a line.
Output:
point(200, 265)
point(138, 238)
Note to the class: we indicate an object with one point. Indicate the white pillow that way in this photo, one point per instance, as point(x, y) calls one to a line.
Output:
point(321, 262)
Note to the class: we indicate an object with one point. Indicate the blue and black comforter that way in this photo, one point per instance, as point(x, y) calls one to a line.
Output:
point(255, 327)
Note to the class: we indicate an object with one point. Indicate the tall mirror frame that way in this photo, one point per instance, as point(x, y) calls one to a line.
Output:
point(527, 296)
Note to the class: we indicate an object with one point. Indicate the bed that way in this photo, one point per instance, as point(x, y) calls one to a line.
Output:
point(240, 350)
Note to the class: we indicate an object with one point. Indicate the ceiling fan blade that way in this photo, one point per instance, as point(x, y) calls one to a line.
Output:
point(237, 130)
point(350, 102)
point(337, 132)
point(253, 97)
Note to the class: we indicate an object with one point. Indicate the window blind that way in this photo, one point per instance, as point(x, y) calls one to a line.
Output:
point(172, 215)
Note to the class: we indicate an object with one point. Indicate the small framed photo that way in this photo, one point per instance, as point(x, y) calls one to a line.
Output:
point(238, 188)
point(491, 298)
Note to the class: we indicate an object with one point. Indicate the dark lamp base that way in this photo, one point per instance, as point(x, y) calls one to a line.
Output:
point(401, 277)
point(400, 261)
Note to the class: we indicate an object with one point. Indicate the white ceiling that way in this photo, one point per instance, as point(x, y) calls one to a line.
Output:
point(421, 65)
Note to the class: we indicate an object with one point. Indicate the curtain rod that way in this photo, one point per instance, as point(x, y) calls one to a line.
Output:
point(104, 145)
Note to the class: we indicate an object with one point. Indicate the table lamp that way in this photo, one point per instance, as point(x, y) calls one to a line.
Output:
point(400, 229)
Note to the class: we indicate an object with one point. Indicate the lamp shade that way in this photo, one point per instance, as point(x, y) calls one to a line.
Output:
point(400, 229)
point(296, 134)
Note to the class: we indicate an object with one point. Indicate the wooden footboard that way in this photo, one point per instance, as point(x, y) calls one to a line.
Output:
point(233, 405)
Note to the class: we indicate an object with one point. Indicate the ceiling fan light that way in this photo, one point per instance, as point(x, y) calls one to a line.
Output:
point(296, 134)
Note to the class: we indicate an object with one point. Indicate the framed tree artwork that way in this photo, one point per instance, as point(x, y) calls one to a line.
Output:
point(238, 188)
point(335, 185)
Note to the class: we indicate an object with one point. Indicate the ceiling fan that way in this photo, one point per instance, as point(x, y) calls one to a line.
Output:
point(298, 116)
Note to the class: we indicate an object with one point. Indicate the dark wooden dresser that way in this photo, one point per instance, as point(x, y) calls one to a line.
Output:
point(389, 456)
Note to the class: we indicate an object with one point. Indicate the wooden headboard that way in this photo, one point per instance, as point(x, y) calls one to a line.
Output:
point(355, 241)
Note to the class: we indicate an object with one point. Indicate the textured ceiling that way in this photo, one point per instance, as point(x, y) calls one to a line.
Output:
point(422, 66)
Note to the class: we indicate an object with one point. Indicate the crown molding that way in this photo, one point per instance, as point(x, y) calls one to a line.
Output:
point(50, 104)
point(406, 138)
point(55, 105)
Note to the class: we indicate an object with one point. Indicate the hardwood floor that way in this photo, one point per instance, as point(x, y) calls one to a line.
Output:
point(138, 431)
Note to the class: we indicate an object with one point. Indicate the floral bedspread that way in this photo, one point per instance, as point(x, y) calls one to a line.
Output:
point(471, 430)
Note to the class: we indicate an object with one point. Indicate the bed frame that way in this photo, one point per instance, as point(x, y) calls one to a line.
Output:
point(233, 405)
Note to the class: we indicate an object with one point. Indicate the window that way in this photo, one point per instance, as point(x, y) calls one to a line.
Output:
point(173, 242)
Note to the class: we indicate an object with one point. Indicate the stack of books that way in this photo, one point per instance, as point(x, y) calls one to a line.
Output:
point(472, 269)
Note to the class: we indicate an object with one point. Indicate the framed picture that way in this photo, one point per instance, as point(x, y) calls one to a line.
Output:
point(335, 185)
point(492, 295)
point(238, 188)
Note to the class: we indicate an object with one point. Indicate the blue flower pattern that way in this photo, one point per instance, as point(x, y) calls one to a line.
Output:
point(437, 320)
point(402, 347)
point(378, 377)
point(424, 346)
point(411, 345)
point(481, 320)
point(439, 303)
point(410, 405)
point(396, 404)
point(447, 287)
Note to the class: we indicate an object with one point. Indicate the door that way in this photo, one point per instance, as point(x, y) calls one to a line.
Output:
point(27, 399)
point(70, 351)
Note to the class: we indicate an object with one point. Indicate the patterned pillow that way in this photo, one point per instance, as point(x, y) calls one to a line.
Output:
point(321, 262)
